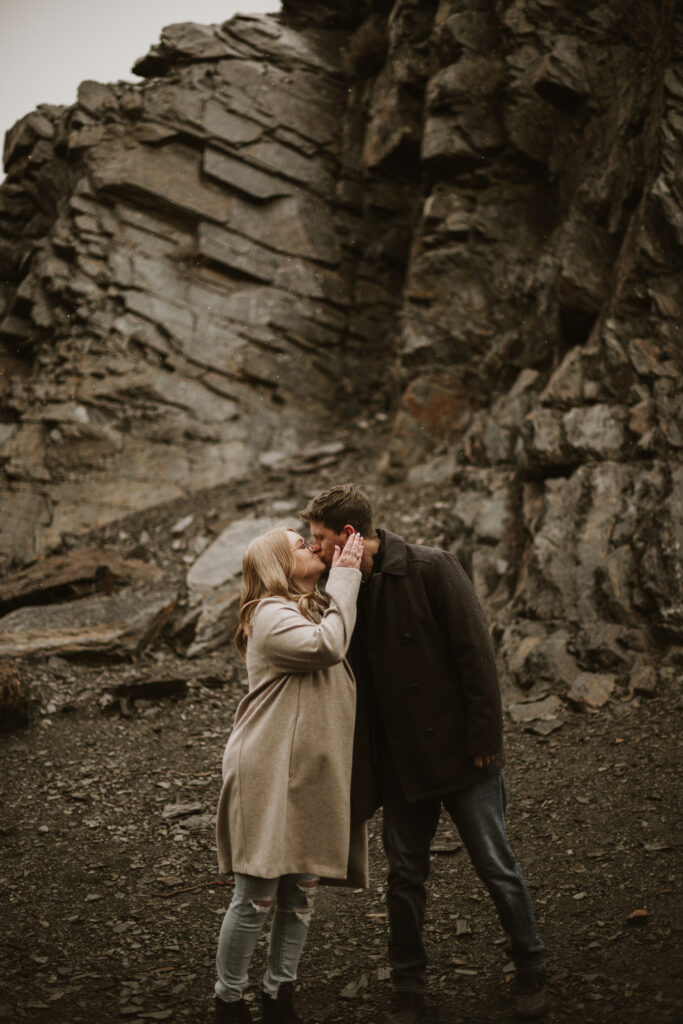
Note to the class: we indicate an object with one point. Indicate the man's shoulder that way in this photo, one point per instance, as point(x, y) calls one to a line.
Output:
point(429, 555)
point(415, 553)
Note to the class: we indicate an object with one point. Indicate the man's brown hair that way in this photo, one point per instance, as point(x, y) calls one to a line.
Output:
point(342, 504)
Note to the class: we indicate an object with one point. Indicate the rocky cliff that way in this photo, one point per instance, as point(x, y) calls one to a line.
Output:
point(458, 219)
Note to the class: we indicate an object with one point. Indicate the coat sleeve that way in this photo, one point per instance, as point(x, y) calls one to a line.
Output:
point(457, 609)
point(292, 643)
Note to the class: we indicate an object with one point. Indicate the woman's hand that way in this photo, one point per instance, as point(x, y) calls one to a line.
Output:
point(350, 557)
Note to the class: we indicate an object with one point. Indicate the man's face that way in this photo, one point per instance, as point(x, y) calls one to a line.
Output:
point(323, 540)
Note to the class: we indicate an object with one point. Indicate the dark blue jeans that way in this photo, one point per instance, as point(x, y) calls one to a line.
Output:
point(479, 815)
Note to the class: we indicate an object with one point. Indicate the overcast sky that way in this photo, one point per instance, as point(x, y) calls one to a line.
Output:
point(47, 47)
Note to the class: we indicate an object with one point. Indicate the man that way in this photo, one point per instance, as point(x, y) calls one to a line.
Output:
point(428, 732)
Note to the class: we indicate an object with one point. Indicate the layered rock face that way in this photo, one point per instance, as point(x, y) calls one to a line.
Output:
point(466, 213)
point(180, 287)
point(543, 309)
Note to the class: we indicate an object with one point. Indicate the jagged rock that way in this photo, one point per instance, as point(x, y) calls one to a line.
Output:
point(114, 627)
point(466, 219)
point(97, 99)
point(590, 690)
point(577, 565)
point(183, 524)
point(566, 384)
point(317, 456)
point(606, 646)
point(644, 680)
point(214, 621)
point(174, 811)
point(440, 469)
point(544, 441)
point(171, 250)
point(184, 42)
point(537, 659)
point(221, 562)
point(74, 574)
point(26, 134)
point(214, 581)
point(561, 77)
point(544, 710)
point(595, 430)
point(433, 407)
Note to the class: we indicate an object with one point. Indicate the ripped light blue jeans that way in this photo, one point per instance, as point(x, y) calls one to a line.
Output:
point(253, 898)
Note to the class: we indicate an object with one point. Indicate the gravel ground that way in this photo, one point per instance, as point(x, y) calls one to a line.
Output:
point(112, 903)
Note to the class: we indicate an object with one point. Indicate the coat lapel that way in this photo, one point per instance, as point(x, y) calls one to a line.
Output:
point(393, 564)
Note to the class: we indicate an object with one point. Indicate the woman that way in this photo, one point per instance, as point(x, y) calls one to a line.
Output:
point(284, 818)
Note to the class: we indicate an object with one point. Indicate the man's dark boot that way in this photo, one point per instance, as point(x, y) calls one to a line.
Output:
point(231, 1013)
point(406, 1008)
point(531, 994)
point(280, 1009)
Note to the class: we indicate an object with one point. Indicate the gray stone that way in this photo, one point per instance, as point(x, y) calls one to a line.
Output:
point(316, 49)
point(272, 459)
point(566, 383)
point(92, 567)
point(643, 679)
point(229, 127)
point(467, 227)
point(26, 513)
point(561, 77)
point(172, 812)
point(586, 264)
point(591, 690)
point(604, 646)
point(243, 176)
point(96, 98)
point(595, 430)
point(288, 163)
point(25, 134)
point(543, 435)
point(168, 177)
point(535, 657)
point(470, 79)
point(214, 626)
point(214, 582)
point(185, 41)
point(221, 562)
point(544, 710)
point(440, 469)
point(182, 525)
point(117, 626)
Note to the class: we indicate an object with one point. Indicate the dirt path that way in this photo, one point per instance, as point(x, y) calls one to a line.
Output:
point(111, 910)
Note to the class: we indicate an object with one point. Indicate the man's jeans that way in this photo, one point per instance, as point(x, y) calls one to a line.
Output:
point(242, 924)
point(479, 814)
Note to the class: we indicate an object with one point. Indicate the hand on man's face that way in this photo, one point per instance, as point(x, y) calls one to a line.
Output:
point(324, 541)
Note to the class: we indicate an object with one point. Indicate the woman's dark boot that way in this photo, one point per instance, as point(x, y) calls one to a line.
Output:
point(280, 1010)
point(231, 1013)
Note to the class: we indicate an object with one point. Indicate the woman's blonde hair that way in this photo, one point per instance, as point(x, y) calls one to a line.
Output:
point(267, 571)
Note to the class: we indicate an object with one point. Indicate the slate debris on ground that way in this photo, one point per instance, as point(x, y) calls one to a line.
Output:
point(113, 900)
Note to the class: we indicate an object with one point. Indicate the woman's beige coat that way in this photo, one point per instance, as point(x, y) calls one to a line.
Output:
point(285, 803)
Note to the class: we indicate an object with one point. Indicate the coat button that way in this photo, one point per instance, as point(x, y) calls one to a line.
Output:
point(414, 688)
point(429, 733)
point(406, 638)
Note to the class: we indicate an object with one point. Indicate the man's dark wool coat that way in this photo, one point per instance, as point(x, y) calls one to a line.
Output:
point(424, 649)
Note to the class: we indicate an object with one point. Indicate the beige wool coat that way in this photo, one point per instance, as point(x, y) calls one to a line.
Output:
point(285, 803)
